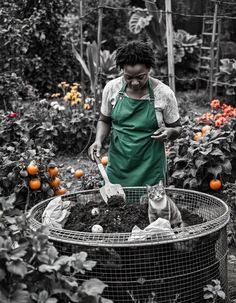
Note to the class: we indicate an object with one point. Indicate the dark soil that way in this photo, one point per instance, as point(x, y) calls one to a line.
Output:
point(116, 216)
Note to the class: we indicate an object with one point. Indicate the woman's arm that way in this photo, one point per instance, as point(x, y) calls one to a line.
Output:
point(103, 130)
point(169, 132)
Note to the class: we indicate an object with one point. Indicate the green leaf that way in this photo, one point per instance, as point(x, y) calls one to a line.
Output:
point(52, 253)
point(91, 61)
point(208, 296)
point(43, 296)
point(93, 287)
point(178, 174)
point(221, 294)
point(19, 296)
point(226, 166)
point(214, 170)
point(19, 252)
point(2, 275)
point(200, 162)
point(81, 61)
point(88, 265)
point(17, 267)
point(217, 152)
point(206, 151)
point(183, 159)
point(138, 21)
point(8, 202)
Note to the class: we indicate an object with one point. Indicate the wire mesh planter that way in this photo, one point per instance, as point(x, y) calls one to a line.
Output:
point(162, 267)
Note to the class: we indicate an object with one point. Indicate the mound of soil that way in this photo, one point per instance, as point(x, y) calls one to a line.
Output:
point(116, 217)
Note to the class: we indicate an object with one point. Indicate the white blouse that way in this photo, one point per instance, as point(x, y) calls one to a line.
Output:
point(165, 102)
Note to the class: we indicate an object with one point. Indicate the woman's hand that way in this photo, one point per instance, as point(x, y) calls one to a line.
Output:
point(166, 133)
point(160, 135)
point(95, 148)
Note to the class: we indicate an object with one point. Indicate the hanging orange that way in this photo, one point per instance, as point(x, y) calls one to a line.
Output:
point(197, 136)
point(215, 184)
point(53, 171)
point(32, 169)
point(206, 129)
point(55, 182)
point(35, 184)
point(60, 191)
point(79, 173)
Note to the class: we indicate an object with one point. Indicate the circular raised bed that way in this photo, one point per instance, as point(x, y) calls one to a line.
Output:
point(163, 267)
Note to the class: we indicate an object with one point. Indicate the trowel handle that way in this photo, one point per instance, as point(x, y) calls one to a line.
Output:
point(102, 170)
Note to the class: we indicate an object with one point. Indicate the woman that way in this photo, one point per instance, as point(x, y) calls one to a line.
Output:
point(142, 113)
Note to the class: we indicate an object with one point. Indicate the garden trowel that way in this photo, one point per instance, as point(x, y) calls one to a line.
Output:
point(109, 190)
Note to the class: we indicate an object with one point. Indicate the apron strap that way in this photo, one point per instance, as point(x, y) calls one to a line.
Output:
point(151, 93)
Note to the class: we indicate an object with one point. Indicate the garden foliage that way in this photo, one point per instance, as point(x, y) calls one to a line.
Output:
point(31, 269)
point(35, 133)
point(227, 76)
point(34, 49)
point(195, 160)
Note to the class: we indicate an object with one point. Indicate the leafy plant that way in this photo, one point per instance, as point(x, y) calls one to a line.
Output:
point(229, 192)
point(227, 75)
point(33, 45)
point(194, 161)
point(213, 291)
point(32, 270)
point(150, 19)
point(107, 63)
point(34, 134)
point(186, 49)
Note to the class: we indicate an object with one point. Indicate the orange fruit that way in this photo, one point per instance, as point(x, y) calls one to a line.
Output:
point(79, 173)
point(215, 184)
point(55, 182)
point(53, 171)
point(60, 191)
point(197, 136)
point(32, 169)
point(35, 184)
point(104, 160)
point(206, 129)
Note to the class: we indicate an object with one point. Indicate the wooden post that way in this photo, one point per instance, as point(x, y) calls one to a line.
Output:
point(99, 39)
point(169, 37)
point(81, 48)
point(212, 54)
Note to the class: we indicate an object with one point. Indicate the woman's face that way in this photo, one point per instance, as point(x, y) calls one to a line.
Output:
point(136, 76)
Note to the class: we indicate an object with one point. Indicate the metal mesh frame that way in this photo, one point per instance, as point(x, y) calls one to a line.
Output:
point(162, 268)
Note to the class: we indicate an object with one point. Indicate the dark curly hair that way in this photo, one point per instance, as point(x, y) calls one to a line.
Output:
point(135, 52)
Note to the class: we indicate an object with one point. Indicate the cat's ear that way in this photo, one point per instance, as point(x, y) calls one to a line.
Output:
point(148, 187)
point(161, 183)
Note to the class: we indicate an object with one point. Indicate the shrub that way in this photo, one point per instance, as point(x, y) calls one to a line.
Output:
point(31, 269)
point(194, 163)
point(227, 77)
point(33, 46)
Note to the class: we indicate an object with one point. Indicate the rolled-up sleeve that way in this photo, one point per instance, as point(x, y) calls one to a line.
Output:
point(171, 111)
point(106, 105)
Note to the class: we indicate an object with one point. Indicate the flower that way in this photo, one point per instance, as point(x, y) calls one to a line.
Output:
point(87, 106)
point(55, 95)
point(12, 115)
point(55, 104)
point(215, 103)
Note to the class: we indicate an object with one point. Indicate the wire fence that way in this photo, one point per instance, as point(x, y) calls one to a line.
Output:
point(225, 16)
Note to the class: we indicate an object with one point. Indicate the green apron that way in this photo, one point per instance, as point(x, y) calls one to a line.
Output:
point(135, 159)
